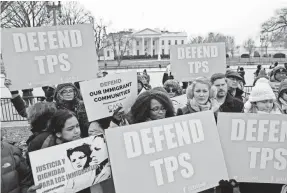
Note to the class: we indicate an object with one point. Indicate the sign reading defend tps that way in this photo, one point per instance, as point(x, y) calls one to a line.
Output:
point(175, 155)
point(102, 96)
point(40, 56)
point(197, 60)
point(254, 146)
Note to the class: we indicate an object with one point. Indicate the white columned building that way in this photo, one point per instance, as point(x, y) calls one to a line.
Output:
point(151, 42)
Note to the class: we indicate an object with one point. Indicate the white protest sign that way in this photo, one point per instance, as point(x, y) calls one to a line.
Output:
point(197, 60)
point(40, 56)
point(254, 146)
point(103, 96)
point(71, 167)
point(178, 155)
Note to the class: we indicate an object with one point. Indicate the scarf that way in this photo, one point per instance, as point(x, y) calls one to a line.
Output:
point(199, 107)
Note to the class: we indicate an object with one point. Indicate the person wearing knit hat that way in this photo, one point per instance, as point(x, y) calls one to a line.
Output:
point(262, 99)
point(262, 74)
point(282, 96)
point(173, 88)
point(277, 76)
point(140, 85)
point(233, 79)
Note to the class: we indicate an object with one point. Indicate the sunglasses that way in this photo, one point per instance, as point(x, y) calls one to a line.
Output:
point(170, 90)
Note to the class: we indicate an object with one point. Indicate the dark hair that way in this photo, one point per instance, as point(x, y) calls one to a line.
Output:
point(101, 136)
point(141, 108)
point(59, 119)
point(39, 115)
point(241, 68)
point(85, 148)
point(216, 76)
point(104, 122)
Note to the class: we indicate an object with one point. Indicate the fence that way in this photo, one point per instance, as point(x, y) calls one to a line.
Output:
point(9, 113)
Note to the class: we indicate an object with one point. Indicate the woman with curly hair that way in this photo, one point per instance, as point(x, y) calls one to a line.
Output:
point(173, 88)
point(152, 105)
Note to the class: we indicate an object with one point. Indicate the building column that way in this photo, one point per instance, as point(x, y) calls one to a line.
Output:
point(143, 46)
point(134, 47)
point(151, 47)
point(159, 48)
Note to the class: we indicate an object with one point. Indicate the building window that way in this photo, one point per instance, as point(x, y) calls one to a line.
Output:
point(153, 52)
point(138, 52)
point(108, 53)
point(138, 43)
point(175, 42)
point(169, 42)
point(182, 41)
point(162, 51)
point(145, 43)
point(162, 42)
point(153, 42)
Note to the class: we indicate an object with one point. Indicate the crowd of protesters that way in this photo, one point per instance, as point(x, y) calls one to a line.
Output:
point(62, 118)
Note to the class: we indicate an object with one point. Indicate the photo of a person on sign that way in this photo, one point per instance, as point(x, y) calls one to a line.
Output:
point(80, 159)
point(100, 157)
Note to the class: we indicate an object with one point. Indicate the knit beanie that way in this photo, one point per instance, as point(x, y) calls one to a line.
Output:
point(261, 91)
point(278, 69)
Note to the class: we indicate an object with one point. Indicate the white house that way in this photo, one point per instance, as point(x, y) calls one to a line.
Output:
point(149, 42)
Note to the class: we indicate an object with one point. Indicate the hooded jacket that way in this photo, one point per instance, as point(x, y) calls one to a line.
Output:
point(15, 174)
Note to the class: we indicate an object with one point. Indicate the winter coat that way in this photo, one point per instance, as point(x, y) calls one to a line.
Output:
point(15, 174)
point(280, 101)
point(231, 104)
point(27, 92)
point(238, 94)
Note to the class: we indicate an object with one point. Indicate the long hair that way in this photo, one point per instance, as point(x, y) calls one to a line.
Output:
point(39, 115)
point(59, 119)
point(174, 84)
point(141, 108)
point(85, 148)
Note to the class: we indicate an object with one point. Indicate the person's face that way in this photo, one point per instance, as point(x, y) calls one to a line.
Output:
point(71, 130)
point(95, 129)
point(78, 160)
point(99, 151)
point(139, 87)
point(171, 91)
point(280, 76)
point(232, 82)
point(144, 80)
point(284, 96)
point(265, 106)
point(201, 93)
point(157, 110)
point(221, 86)
point(68, 93)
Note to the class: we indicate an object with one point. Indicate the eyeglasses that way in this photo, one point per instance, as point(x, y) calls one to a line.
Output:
point(65, 92)
point(158, 109)
point(170, 90)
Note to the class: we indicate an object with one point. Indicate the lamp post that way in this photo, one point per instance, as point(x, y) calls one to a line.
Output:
point(54, 8)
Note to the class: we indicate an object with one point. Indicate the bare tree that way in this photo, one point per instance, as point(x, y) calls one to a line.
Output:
point(74, 13)
point(196, 40)
point(277, 26)
point(5, 4)
point(249, 45)
point(24, 14)
point(120, 43)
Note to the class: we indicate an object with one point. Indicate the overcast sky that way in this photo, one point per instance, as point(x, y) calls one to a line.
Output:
point(240, 18)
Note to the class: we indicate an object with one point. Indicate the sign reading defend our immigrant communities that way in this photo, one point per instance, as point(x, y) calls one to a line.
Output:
point(197, 60)
point(75, 165)
point(172, 155)
point(40, 56)
point(103, 96)
point(254, 146)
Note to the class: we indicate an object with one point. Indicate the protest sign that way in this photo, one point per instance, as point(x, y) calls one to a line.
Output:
point(197, 60)
point(254, 146)
point(179, 154)
point(103, 96)
point(71, 167)
point(179, 102)
point(40, 56)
